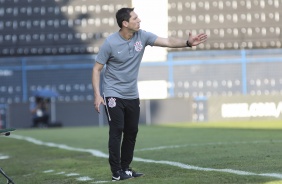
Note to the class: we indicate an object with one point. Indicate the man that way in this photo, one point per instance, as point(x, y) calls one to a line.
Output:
point(39, 112)
point(122, 53)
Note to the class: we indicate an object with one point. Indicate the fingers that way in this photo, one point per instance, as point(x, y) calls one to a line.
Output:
point(202, 37)
point(98, 102)
point(97, 107)
point(196, 40)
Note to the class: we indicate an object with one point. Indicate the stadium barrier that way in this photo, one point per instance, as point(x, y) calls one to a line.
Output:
point(72, 114)
point(3, 113)
point(245, 108)
point(199, 76)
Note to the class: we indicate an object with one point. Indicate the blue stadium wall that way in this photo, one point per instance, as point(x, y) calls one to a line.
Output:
point(194, 78)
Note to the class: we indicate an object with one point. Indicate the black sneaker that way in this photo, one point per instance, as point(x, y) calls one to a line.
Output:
point(132, 173)
point(121, 175)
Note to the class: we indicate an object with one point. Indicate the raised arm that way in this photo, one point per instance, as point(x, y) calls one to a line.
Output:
point(180, 43)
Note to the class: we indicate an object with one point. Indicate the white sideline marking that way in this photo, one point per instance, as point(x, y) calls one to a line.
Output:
point(84, 178)
point(61, 172)
point(2, 157)
point(98, 153)
point(206, 144)
point(72, 174)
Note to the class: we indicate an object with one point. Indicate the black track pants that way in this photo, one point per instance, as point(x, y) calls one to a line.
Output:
point(123, 128)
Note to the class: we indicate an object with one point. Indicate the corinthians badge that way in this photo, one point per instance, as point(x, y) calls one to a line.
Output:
point(112, 102)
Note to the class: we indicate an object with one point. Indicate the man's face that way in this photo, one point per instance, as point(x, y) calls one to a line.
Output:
point(134, 22)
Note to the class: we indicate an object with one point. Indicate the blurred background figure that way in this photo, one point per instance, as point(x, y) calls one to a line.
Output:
point(39, 111)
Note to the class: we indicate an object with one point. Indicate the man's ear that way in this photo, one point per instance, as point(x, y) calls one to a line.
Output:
point(125, 23)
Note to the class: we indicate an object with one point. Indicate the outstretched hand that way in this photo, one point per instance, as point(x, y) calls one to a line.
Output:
point(196, 40)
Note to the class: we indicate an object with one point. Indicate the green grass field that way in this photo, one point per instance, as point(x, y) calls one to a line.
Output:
point(196, 153)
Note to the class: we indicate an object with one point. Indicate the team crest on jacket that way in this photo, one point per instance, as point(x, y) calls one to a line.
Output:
point(138, 46)
point(112, 102)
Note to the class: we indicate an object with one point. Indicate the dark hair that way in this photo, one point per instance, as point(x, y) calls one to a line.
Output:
point(123, 14)
point(39, 99)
